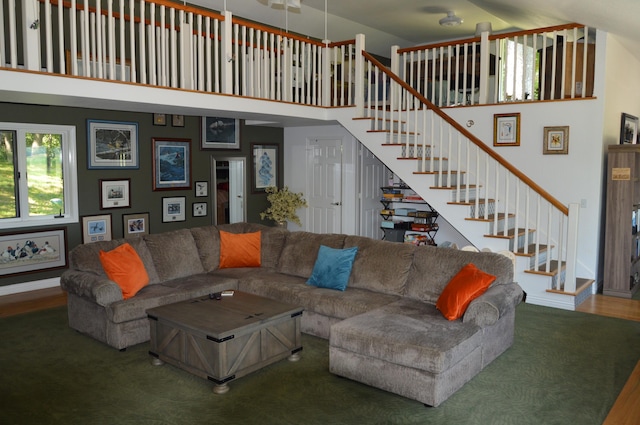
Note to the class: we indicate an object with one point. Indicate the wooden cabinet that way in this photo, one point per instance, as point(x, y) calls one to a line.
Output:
point(622, 235)
point(579, 61)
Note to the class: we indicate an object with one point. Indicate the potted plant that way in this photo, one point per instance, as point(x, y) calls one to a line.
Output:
point(283, 205)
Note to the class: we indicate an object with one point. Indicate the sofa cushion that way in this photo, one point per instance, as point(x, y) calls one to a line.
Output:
point(86, 257)
point(123, 266)
point(327, 302)
point(272, 240)
point(301, 250)
point(375, 269)
point(432, 268)
point(408, 333)
point(468, 284)
point(332, 268)
point(239, 250)
point(207, 239)
point(174, 254)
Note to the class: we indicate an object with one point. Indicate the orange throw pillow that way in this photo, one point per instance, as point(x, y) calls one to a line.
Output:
point(239, 250)
point(124, 266)
point(464, 287)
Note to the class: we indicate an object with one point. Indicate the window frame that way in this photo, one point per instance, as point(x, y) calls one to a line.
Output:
point(69, 175)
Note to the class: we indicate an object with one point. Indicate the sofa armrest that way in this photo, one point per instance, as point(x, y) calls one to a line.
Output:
point(488, 308)
point(89, 285)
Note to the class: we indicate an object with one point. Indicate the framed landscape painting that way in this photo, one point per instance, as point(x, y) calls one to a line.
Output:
point(171, 164)
point(220, 133)
point(112, 144)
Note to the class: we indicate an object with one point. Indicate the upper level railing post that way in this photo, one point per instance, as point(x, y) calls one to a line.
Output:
point(226, 54)
point(395, 68)
point(31, 34)
point(326, 74)
point(360, 73)
point(485, 56)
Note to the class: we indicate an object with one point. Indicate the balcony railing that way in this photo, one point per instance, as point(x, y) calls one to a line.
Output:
point(166, 44)
point(543, 64)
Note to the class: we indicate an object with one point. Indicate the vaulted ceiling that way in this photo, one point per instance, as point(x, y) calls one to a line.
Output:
point(415, 22)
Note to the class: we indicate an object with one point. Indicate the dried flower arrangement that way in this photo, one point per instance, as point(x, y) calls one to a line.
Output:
point(284, 204)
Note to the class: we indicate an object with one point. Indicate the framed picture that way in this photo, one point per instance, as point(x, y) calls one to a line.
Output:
point(135, 225)
point(202, 189)
point(159, 119)
point(264, 167)
point(26, 252)
point(177, 120)
point(171, 164)
point(115, 193)
point(556, 140)
point(628, 129)
point(199, 209)
point(173, 209)
point(506, 129)
point(112, 144)
point(96, 228)
point(220, 133)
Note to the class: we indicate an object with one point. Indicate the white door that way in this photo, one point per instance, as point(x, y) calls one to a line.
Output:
point(372, 176)
point(324, 185)
point(236, 191)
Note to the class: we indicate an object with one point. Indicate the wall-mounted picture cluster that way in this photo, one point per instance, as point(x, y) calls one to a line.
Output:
point(115, 145)
point(506, 132)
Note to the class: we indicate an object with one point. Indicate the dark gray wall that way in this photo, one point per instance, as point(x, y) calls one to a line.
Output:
point(143, 198)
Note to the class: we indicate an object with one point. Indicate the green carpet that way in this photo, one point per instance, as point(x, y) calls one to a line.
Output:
point(564, 368)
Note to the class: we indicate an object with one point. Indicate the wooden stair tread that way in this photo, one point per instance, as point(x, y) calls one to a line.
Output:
point(511, 233)
point(467, 203)
point(553, 269)
point(399, 144)
point(462, 186)
point(581, 285)
point(531, 250)
point(490, 217)
point(417, 158)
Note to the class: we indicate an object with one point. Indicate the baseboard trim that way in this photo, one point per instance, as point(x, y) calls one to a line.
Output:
point(567, 304)
point(18, 288)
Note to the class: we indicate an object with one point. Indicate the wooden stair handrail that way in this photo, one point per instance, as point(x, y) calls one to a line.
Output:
point(546, 195)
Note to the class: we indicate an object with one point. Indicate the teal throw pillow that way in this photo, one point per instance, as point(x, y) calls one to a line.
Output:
point(333, 268)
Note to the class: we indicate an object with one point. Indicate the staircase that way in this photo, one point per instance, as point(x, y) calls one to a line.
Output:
point(492, 204)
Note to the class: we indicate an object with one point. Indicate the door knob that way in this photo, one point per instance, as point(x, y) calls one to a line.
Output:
point(336, 203)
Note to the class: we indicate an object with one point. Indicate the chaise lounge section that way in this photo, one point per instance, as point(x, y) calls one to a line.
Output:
point(384, 329)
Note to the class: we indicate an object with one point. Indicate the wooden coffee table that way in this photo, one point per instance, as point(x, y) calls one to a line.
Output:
point(221, 340)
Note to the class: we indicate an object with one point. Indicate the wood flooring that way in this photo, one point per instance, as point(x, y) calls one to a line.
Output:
point(625, 411)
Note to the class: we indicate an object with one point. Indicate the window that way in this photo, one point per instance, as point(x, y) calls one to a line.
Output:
point(37, 175)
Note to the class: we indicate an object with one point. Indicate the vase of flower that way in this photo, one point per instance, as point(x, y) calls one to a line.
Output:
point(283, 206)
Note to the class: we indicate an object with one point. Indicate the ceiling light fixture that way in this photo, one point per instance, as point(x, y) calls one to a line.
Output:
point(288, 4)
point(451, 20)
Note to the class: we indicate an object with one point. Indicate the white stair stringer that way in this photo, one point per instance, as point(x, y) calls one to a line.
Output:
point(535, 285)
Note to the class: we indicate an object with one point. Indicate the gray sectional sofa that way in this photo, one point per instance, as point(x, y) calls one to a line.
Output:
point(383, 330)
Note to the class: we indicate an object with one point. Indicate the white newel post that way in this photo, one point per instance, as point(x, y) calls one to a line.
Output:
point(31, 34)
point(483, 94)
point(226, 50)
point(360, 73)
point(395, 69)
point(572, 248)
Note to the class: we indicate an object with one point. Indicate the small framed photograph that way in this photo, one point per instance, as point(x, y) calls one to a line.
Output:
point(199, 209)
point(96, 228)
point(171, 164)
point(264, 167)
point(177, 120)
point(135, 225)
point(115, 193)
point(173, 209)
point(112, 145)
point(506, 129)
point(628, 129)
point(220, 133)
point(556, 140)
point(202, 189)
point(159, 119)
